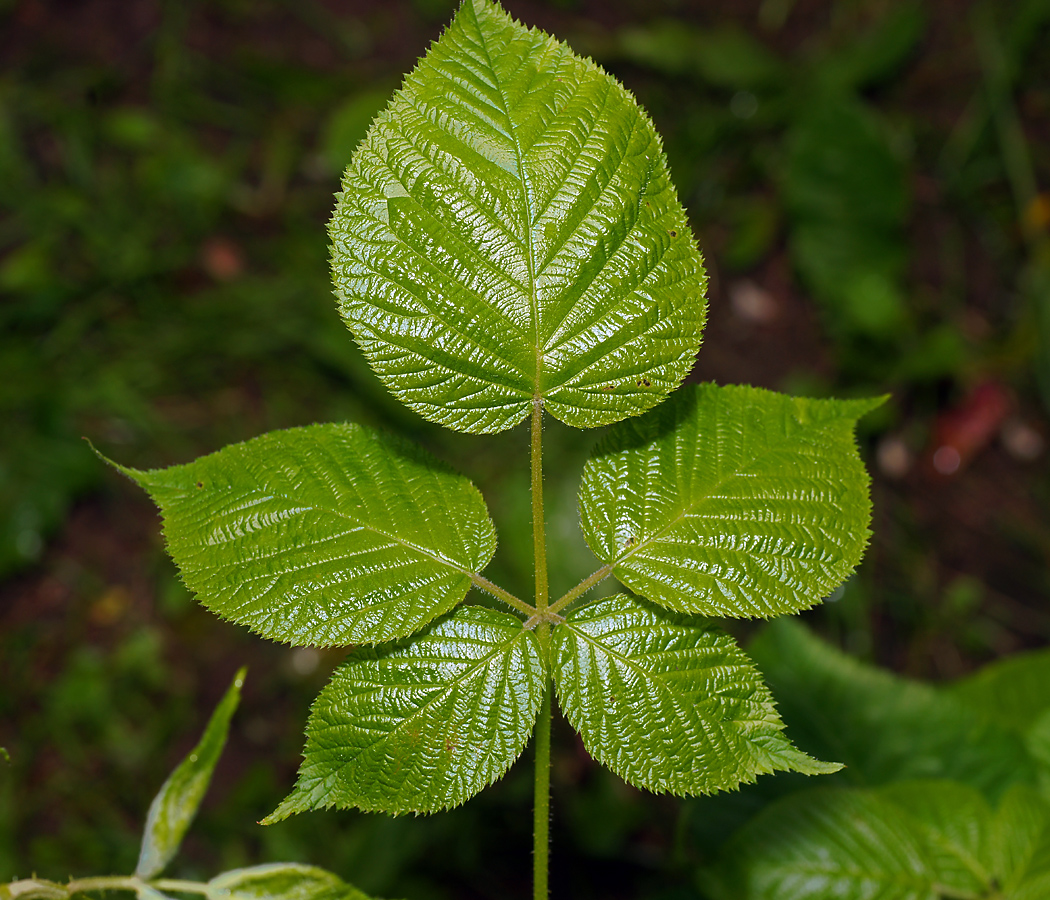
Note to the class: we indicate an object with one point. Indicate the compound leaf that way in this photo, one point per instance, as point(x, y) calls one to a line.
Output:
point(425, 724)
point(731, 501)
point(175, 805)
point(325, 535)
point(281, 881)
point(508, 231)
point(667, 704)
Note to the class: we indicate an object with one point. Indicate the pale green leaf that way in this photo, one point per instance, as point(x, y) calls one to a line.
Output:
point(883, 727)
point(281, 881)
point(1020, 844)
point(425, 724)
point(508, 230)
point(176, 803)
point(730, 501)
point(668, 704)
point(955, 823)
point(1013, 692)
point(326, 535)
point(824, 844)
point(916, 840)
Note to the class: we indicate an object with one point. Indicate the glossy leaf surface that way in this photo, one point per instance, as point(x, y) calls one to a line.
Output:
point(425, 724)
point(667, 704)
point(281, 881)
point(730, 501)
point(326, 535)
point(919, 840)
point(508, 230)
point(175, 805)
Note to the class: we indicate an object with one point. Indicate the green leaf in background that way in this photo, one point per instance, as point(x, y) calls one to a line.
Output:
point(176, 803)
point(883, 727)
point(916, 840)
point(425, 724)
point(731, 501)
point(846, 197)
point(727, 57)
point(666, 704)
point(1013, 692)
point(325, 535)
point(281, 881)
point(875, 53)
point(508, 230)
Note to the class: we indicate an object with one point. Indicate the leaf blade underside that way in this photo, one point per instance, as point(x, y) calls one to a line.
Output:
point(281, 881)
point(174, 807)
point(730, 501)
point(326, 535)
point(667, 704)
point(508, 230)
point(425, 724)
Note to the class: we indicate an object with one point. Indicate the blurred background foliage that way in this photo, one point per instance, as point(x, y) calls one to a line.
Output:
point(870, 183)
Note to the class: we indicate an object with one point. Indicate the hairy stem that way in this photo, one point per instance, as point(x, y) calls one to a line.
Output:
point(500, 594)
point(592, 580)
point(541, 816)
point(539, 526)
point(541, 801)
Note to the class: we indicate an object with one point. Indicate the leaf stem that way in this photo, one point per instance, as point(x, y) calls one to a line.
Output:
point(541, 819)
point(541, 800)
point(41, 889)
point(590, 581)
point(179, 886)
point(500, 594)
point(539, 526)
point(104, 883)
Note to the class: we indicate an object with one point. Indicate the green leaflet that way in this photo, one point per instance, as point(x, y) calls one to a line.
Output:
point(508, 230)
point(918, 840)
point(883, 727)
point(425, 724)
point(731, 501)
point(281, 881)
point(175, 805)
point(666, 704)
point(326, 535)
point(1013, 692)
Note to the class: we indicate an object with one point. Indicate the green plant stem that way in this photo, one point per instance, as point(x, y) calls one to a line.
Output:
point(41, 889)
point(500, 594)
point(590, 581)
point(541, 798)
point(539, 526)
point(541, 817)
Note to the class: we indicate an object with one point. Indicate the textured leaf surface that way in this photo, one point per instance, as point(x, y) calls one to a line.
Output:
point(883, 727)
point(326, 535)
point(730, 501)
point(667, 704)
point(176, 803)
point(827, 844)
point(281, 881)
point(917, 840)
point(508, 230)
point(425, 724)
